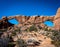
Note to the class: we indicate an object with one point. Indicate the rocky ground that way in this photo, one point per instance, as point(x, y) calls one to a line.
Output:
point(25, 39)
point(43, 40)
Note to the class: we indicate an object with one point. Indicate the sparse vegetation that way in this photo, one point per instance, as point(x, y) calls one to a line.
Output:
point(17, 30)
point(11, 44)
point(21, 43)
point(53, 34)
point(3, 30)
point(56, 38)
point(33, 28)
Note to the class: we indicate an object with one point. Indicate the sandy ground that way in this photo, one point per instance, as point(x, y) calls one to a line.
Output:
point(44, 40)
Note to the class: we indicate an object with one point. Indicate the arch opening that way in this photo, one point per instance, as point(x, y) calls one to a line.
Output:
point(13, 21)
point(49, 23)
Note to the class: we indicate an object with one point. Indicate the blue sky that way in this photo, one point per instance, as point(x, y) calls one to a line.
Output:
point(49, 23)
point(28, 7)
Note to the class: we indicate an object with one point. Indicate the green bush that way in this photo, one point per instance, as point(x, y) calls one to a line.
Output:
point(13, 33)
point(11, 45)
point(17, 30)
point(32, 28)
point(56, 38)
point(54, 35)
point(46, 29)
point(21, 43)
point(3, 30)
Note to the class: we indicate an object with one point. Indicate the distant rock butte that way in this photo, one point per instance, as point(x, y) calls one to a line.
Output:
point(37, 20)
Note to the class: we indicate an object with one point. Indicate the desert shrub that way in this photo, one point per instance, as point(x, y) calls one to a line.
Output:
point(56, 38)
point(17, 30)
point(32, 28)
point(11, 45)
point(21, 43)
point(45, 29)
point(3, 30)
point(26, 30)
point(13, 33)
point(54, 35)
point(39, 27)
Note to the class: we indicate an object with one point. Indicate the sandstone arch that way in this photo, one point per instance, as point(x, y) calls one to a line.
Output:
point(37, 19)
point(31, 19)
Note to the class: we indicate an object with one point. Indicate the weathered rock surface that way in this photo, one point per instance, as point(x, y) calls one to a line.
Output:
point(32, 37)
point(57, 20)
point(27, 20)
point(4, 23)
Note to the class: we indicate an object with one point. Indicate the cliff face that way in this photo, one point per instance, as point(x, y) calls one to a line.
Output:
point(37, 20)
point(57, 20)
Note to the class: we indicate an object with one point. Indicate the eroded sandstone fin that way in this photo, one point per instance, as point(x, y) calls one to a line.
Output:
point(57, 20)
point(57, 14)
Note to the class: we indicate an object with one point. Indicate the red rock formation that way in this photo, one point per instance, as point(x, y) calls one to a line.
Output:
point(32, 19)
point(57, 20)
point(4, 23)
point(27, 20)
